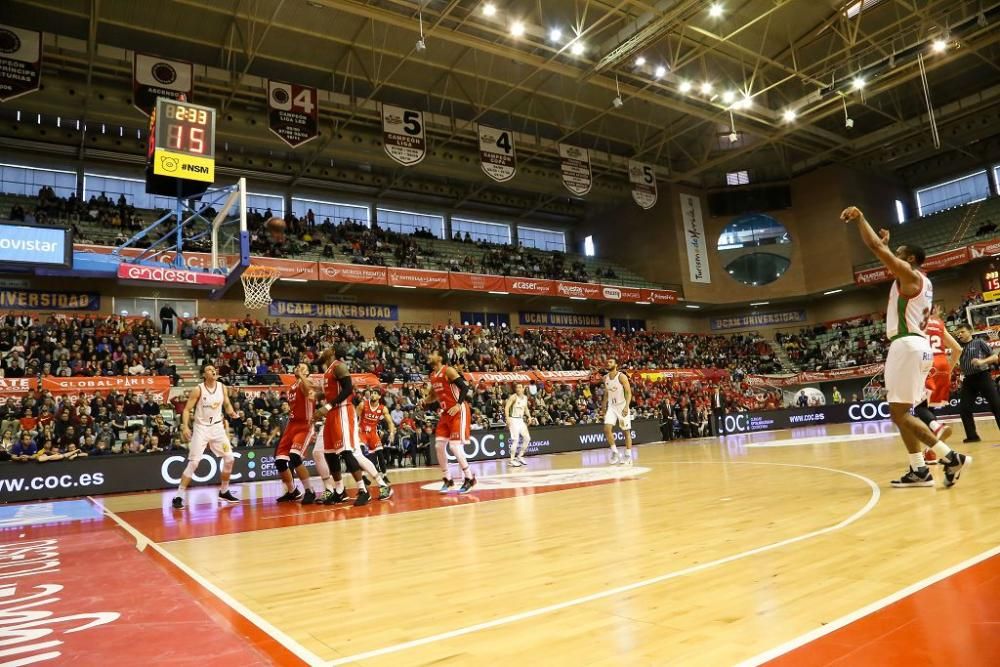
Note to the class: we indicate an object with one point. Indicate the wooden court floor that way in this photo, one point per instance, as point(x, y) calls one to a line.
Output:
point(709, 552)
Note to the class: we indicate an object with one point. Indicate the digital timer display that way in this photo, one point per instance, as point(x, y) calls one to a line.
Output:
point(991, 281)
point(186, 128)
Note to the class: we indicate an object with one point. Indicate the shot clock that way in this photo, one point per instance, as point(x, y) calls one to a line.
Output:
point(181, 147)
point(991, 284)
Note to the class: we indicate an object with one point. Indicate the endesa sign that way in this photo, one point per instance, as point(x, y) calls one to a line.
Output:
point(774, 420)
point(36, 245)
point(167, 274)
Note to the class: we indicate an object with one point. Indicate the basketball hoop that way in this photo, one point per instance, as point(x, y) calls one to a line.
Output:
point(257, 281)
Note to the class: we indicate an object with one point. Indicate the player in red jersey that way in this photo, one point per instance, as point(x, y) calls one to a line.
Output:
point(288, 456)
point(373, 412)
point(938, 383)
point(451, 393)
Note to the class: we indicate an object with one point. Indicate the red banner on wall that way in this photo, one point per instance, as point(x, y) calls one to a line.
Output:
point(353, 273)
point(17, 386)
point(809, 377)
point(536, 286)
point(941, 260)
point(418, 278)
point(477, 282)
point(661, 296)
point(626, 294)
point(984, 249)
point(501, 378)
point(295, 269)
point(157, 385)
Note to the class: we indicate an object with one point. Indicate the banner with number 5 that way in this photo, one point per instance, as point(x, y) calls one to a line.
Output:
point(293, 112)
point(496, 153)
point(403, 134)
point(643, 180)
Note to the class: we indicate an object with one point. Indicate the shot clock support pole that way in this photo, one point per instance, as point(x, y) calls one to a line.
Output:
point(179, 213)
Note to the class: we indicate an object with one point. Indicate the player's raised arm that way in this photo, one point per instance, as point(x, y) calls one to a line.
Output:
point(909, 279)
point(186, 413)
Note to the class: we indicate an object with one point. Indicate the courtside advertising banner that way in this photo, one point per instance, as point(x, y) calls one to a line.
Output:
point(336, 311)
point(576, 172)
point(403, 134)
point(694, 239)
point(478, 282)
point(35, 245)
point(293, 112)
point(496, 153)
point(353, 273)
point(532, 319)
point(20, 62)
point(399, 277)
point(643, 180)
point(153, 76)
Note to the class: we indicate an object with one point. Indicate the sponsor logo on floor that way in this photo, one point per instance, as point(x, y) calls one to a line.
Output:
point(563, 477)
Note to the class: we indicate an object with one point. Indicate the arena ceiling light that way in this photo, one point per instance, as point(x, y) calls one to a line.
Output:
point(833, 291)
point(692, 306)
point(489, 9)
point(685, 87)
point(744, 103)
point(643, 303)
point(706, 88)
point(578, 298)
point(715, 11)
point(728, 97)
point(939, 46)
point(517, 29)
point(858, 83)
point(789, 115)
point(760, 303)
point(577, 48)
point(640, 61)
point(555, 35)
point(661, 71)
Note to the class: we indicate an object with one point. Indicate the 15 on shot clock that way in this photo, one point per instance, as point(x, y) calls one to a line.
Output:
point(184, 141)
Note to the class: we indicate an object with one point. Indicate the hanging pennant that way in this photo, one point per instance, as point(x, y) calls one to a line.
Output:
point(496, 153)
point(20, 62)
point(576, 173)
point(403, 134)
point(154, 77)
point(643, 181)
point(293, 112)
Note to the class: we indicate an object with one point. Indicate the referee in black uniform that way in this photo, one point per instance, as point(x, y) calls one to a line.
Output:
point(976, 381)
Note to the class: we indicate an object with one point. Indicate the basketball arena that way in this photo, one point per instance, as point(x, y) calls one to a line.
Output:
point(476, 332)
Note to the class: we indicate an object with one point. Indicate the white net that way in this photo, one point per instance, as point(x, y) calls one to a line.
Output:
point(257, 281)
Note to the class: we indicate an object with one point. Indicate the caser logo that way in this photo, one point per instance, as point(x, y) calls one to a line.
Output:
point(868, 411)
point(524, 285)
point(612, 293)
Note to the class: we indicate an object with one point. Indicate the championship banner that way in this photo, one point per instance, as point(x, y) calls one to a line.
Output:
point(578, 290)
point(496, 153)
point(24, 299)
point(403, 134)
point(154, 77)
point(353, 273)
point(20, 62)
point(694, 239)
point(535, 286)
point(295, 269)
point(758, 320)
point(533, 319)
point(643, 181)
point(333, 311)
point(626, 294)
point(477, 282)
point(157, 385)
point(17, 386)
point(576, 173)
point(418, 278)
point(941, 260)
point(659, 296)
point(293, 112)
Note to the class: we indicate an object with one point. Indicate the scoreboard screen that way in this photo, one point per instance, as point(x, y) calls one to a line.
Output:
point(183, 145)
point(991, 284)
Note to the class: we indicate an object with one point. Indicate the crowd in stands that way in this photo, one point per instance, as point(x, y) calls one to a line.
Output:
point(101, 211)
point(836, 345)
point(81, 346)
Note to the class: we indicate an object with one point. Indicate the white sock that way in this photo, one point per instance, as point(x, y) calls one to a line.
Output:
point(614, 449)
point(917, 461)
point(941, 449)
point(338, 486)
point(361, 485)
point(181, 492)
point(328, 484)
point(935, 427)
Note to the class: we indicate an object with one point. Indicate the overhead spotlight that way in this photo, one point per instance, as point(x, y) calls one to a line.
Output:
point(420, 45)
point(685, 87)
point(849, 123)
point(517, 29)
point(715, 11)
point(555, 35)
point(706, 88)
point(577, 48)
point(733, 137)
point(489, 9)
point(744, 103)
point(661, 71)
point(789, 115)
point(640, 61)
point(617, 102)
point(728, 97)
point(939, 46)
point(858, 83)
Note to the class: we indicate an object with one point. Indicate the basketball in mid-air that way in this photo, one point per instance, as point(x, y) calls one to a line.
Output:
point(275, 228)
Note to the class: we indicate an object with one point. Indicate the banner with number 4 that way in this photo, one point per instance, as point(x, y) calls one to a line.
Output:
point(403, 134)
point(293, 112)
point(496, 153)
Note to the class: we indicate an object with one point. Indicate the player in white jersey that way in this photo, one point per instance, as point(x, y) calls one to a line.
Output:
point(207, 401)
point(518, 415)
point(617, 399)
point(910, 357)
